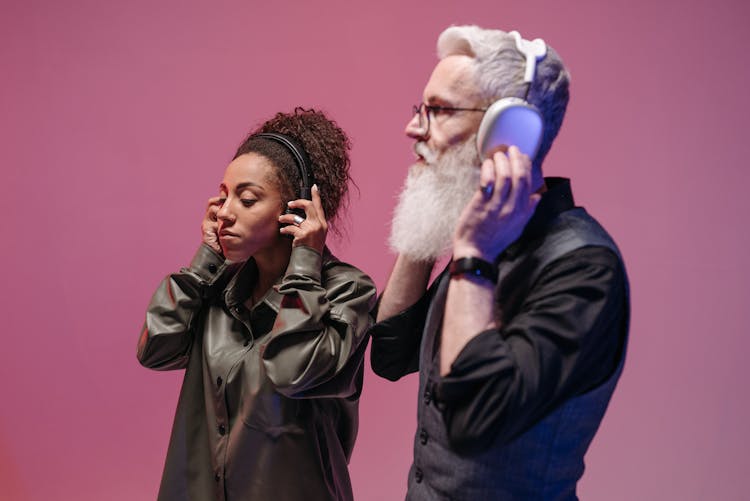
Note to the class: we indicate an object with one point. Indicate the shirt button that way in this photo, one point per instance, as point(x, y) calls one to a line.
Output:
point(212, 268)
point(217, 477)
point(219, 381)
point(423, 436)
point(418, 475)
point(222, 429)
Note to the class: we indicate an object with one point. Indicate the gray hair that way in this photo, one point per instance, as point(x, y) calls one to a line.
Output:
point(499, 73)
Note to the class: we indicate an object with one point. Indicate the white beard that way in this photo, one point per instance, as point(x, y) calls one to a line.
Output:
point(432, 200)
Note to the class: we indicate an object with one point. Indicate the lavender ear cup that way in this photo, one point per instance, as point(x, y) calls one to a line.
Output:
point(510, 121)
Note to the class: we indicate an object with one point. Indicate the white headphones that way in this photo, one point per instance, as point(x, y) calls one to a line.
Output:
point(512, 120)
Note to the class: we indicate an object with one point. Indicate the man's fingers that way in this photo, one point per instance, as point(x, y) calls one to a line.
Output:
point(502, 176)
point(534, 201)
point(487, 179)
point(520, 179)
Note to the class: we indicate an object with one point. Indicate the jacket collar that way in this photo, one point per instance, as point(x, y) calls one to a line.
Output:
point(240, 287)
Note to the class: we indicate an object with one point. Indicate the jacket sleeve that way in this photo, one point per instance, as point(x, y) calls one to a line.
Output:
point(317, 343)
point(167, 333)
point(396, 340)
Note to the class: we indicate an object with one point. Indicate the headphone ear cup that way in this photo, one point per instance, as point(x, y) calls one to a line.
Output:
point(298, 212)
point(510, 121)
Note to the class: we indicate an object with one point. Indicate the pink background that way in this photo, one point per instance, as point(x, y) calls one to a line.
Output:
point(118, 118)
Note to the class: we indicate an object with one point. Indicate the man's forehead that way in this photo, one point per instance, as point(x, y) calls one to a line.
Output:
point(453, 80)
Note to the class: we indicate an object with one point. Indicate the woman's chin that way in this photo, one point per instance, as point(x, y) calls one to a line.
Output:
point(235, 255)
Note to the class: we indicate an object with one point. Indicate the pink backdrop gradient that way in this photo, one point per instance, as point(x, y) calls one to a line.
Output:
point(118, 118)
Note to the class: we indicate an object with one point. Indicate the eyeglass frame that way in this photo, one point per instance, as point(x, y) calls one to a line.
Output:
point(432, 108)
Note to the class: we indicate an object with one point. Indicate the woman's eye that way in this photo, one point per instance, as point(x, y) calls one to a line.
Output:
point(247, 202)
point(222, 200)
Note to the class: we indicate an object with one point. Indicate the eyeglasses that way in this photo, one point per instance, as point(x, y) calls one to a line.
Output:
point(424, 111)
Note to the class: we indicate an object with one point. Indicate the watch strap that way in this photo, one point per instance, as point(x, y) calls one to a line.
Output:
point(474, 266)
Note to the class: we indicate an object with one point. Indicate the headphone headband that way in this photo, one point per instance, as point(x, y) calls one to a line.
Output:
point(534, 51)
point(513, 120)
point(300, 157)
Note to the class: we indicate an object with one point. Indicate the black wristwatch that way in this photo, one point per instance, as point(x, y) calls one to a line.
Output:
point(474, 266)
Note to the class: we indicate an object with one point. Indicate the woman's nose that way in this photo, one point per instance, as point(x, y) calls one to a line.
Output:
point(224, 214)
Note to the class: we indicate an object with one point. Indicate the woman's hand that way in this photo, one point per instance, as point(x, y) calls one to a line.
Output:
point(310, 231)
point(210, 224)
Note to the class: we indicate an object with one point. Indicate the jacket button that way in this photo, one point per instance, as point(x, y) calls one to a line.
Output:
point(427, 397)
point(212, 268)
point(418, 475)
point(222, 429)
point(217, 477)
point(219, 381)
point(247, 342)
point(423, 437)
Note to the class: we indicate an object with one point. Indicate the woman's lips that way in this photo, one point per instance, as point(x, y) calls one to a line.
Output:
point(227, 234)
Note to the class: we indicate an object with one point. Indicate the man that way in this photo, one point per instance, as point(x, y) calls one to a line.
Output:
point(520, 341)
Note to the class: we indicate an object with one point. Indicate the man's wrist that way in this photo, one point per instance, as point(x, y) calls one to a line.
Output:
point(473, 267)
point(468, 250)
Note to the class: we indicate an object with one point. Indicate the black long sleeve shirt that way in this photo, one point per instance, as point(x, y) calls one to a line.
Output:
point(559, 337)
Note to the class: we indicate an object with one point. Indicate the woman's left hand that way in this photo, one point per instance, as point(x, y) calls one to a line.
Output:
point(310, 231)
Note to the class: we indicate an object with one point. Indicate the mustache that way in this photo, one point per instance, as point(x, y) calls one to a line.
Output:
point(421, 149)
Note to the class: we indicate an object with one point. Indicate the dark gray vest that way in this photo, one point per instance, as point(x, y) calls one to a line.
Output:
point(546, 461)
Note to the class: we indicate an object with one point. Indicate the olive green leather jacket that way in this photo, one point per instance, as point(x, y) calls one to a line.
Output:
point(268, 407)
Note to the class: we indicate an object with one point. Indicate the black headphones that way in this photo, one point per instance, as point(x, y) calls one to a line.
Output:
point(301, 159)
point(303, 164)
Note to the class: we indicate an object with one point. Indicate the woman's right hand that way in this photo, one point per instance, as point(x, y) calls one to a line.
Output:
point(210, 224)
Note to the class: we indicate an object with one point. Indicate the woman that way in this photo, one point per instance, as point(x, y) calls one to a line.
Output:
point(269, 326)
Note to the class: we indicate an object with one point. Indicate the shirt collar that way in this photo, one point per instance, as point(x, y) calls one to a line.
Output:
point(558, 198)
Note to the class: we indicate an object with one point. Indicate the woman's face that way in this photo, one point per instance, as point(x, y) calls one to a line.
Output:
point(251, 205)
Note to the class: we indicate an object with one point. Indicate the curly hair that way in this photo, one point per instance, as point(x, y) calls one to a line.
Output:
point(326, 145)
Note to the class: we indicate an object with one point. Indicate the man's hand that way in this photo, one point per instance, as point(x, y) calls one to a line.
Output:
point(311, 231)
point(497, 214)
point(210, 224)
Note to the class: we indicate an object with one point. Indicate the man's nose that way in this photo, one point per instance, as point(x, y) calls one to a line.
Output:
point(413, 129)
